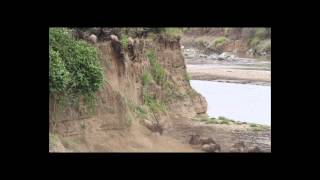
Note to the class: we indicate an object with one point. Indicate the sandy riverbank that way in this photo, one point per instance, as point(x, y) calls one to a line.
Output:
point(229, 75)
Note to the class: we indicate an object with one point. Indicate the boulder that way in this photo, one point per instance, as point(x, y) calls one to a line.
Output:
point(200, 104)
point(213, 56)
point(211, 148)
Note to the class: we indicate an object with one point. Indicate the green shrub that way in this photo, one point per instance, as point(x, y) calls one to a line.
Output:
point(222, 118)
point(253, 125)
point(157, 71)
point(188, 77)
point(74, 66)
point(146, 78)
point(264, 45)
point(174, 31)
point(220, 41)
point(140, 111)
point(254, 42)
point(150, 101)
point(261, 33)
point(59, 76)
point(53, 140)
point(124, 40)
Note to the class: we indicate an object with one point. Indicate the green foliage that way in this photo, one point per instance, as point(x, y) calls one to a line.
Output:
point(59, 77)
point(217, 44)
point(174, 31)
point(257, 127)
point(141, 112)
point(157, 71)
point(264, 45)
point(124, 40)
point(220, 120)
point(74, 67)
point(151, 57)
point(146, 78)
point(188, 77)
point(261, 33)
point(150, 101)
point(253, 125)
point(53, 140)
point(254, 42)
point(129, 119)
point(220, 41)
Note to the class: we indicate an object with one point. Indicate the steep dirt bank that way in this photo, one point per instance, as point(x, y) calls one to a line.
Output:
point(123, 121)
point(117, 123)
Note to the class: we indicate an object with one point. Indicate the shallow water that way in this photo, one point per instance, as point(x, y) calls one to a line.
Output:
point(240, 102)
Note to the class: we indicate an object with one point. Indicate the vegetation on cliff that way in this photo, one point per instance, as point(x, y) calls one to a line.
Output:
point(74, 67)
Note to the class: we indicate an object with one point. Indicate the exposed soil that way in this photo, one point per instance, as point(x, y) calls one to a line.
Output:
point(114, 127)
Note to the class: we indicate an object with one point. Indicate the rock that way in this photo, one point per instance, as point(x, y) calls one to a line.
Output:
point(93, 38)
point(200, 104)
point(232, 57)
point(213, 56)
point(250, 52)
point(211, 148)
point(223, 56)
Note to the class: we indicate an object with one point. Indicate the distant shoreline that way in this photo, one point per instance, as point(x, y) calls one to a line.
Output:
point(258, 77)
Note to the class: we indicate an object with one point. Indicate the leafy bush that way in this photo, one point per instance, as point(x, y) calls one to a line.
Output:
point(74, 68)
point(157, 71)
point(174, 31)
point(220, 41)
point(59, 77)
point(253, 125)
point(222, 118)
point(264, 45)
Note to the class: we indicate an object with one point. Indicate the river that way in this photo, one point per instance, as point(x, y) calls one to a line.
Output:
point(240, 102)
